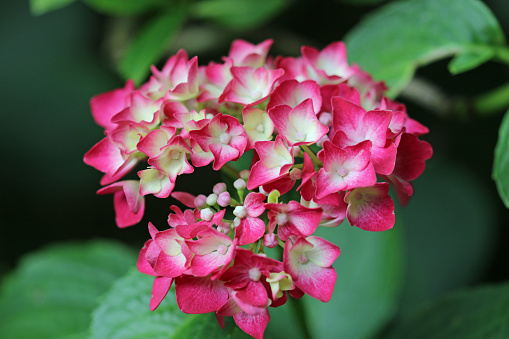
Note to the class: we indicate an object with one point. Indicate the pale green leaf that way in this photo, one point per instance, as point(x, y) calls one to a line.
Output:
point(501, 162)
point(469, 60)
point(471, 314)
point(370, 272)
point(125, 313)
point(236, 14)
point(401, 36)
point(39, 7)
point(151, 43)
point(53, 291)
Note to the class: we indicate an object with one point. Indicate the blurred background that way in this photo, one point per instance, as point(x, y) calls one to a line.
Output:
point(455, 227)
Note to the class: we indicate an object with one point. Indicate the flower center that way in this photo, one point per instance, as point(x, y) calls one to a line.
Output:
point(281, 218)
point(255, 274)
point(300, 136)
point(260, 128)
point(303, 259)
point(225, 138)
point(175, 155)
point(342, 171)
point(222, 249)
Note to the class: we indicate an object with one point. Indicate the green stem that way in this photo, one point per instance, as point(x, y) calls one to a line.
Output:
point(230, 171)
point(312, 155)
point(502, 55)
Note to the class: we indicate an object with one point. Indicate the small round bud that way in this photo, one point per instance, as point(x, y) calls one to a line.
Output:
point(219, 188)
point(206, 214)
point(320, 142)
point(325, 118)
point(224, 199)
point(270, 240)
point(200, 201)
point(236, 222)
point(239, 184)
point(244, 174)
point(295, 174)
point(296, 151)
point(223, 227)
point(211, 199)
point(240, 212)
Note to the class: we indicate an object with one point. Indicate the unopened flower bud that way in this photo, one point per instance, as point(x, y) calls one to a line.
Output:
point(219, 188)
point(211, 199)
point(206, 214)
point(295, 174)
point(244, 174)
point(320, 142)
point(296, 152)
point(224, 199)
point(270, 240)
point(325, 118)
point(240, 184)
point(240, 212)
point(236, 222)
point(223, 227)
point(200, 201)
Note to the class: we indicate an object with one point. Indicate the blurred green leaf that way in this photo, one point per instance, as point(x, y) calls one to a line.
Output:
point(451, 225)
point(370, 271)
point(235, 14)
point(54, 290)
point(469, 60)
point(362, 2)
point(393, 41)
point(151, 43)
point(125, 313)
point(501, 162)
point(39, 7)
point(123, 7)
point(471, 314)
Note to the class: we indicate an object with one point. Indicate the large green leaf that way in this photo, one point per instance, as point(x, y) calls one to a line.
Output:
point(151, 43)
point(501, 162)
point(450, 230)
point(236, 14)
point(53, 292)
point(393, 41)
point(39, 7)
point(370, 275)
point(124, 313)
point(123, 7)
point(471, 314)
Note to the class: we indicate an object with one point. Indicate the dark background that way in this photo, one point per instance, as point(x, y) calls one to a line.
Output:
point(53, 64)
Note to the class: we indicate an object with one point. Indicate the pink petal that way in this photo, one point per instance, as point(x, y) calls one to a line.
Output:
point(197, 295)
point(160, 288)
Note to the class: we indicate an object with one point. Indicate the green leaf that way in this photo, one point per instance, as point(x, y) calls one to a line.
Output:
point(443, 228)
point(151, 43)
point(393, 41)
point(124, 313)
point(362, 2)
point(235, 14)
point(53, 291)
point(471, 314)
point(123, 7)
point(501, 162)
point(39, 7)
point(469, 60)
point(369, 273)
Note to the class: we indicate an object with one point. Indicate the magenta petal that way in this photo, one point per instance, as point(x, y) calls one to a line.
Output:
point(253, 324)
point(199, 295)
point(160, 288)
point(371, 208)
point(317, 281)
point(250, 230)
point(142, 264)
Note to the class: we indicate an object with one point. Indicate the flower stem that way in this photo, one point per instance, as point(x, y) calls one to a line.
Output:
point(230, 171)
point(312, 155)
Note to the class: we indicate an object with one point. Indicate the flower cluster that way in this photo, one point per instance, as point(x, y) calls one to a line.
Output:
point(319, 128)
